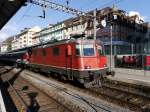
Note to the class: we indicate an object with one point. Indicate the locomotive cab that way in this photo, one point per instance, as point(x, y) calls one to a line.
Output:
point(90, 60)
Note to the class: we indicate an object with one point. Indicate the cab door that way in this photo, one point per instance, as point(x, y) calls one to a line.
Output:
point(69, 60)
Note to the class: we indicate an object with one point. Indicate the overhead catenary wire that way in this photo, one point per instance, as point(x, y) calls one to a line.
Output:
point(110, 3)
point(24, 14)
point(106, 4)
point(57, 8)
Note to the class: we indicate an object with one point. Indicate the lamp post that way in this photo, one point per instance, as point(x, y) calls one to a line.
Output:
point(103, 23)
point(111, 47)
point(111, 40)
point(95, 23)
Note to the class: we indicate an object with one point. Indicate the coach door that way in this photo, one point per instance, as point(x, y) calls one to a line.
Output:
point(69, 61)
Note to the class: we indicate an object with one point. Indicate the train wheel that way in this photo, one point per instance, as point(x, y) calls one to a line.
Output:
point(36, 70)
point(31, 68)
point(63, 77)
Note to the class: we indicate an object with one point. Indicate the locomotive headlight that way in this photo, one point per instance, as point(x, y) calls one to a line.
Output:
point(87, 67)
point(105, 65)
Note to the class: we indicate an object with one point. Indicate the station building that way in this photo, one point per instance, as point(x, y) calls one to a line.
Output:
point(129, 33)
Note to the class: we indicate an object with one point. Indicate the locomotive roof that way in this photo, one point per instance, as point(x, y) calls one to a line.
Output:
point(65, 42)
point(52, 43)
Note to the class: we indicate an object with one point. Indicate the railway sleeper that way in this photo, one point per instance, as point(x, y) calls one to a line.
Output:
point(93, 84)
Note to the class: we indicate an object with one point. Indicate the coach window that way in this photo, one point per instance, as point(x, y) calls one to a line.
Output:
point(44, 52)
point(55, 51)
point(78, 50)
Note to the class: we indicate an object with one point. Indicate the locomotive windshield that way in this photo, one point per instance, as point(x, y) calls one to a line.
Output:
point(88, 50)
point(85, 50)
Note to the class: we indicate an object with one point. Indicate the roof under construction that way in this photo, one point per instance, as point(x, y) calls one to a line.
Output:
point(8, 8)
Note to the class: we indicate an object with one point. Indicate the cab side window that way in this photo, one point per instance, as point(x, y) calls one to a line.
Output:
point(55, 51)
point(100, 50)
point(78, 50)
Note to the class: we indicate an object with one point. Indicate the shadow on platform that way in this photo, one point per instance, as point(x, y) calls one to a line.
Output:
point(34, 106)
point(10, 106)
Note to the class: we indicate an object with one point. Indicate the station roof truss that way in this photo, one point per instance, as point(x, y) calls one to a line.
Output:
point(8, 8)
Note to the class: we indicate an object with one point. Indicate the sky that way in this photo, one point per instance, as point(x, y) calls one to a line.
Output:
point(27, 16)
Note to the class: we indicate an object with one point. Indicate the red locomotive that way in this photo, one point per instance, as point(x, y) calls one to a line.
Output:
point(74, 59)
point(82, 60)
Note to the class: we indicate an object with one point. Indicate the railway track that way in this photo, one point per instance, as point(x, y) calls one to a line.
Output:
point(28, 98)
point(129, 95)
point(93, 106)
point(134, 97)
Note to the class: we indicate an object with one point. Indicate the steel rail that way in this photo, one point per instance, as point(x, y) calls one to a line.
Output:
point(19, 97)
point(74, 95)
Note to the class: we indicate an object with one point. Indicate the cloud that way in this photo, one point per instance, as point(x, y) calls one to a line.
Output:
point(133, 13)
point(7, 31)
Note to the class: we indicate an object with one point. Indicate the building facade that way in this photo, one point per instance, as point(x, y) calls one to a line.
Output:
point(62, 30)
point(73, 26)
point(50, 33)
point(15, 43)
point(147, 41)
point(128, 32)
point(4, 47)
point(24, 38)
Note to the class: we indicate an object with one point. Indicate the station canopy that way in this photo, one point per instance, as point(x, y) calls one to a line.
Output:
point(8, 8)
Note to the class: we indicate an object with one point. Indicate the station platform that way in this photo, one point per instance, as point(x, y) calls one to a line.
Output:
point(139, 77)
point(2, 105)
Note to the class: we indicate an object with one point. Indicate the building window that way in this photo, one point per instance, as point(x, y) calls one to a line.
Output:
point(55, 51)
point(77, 27)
